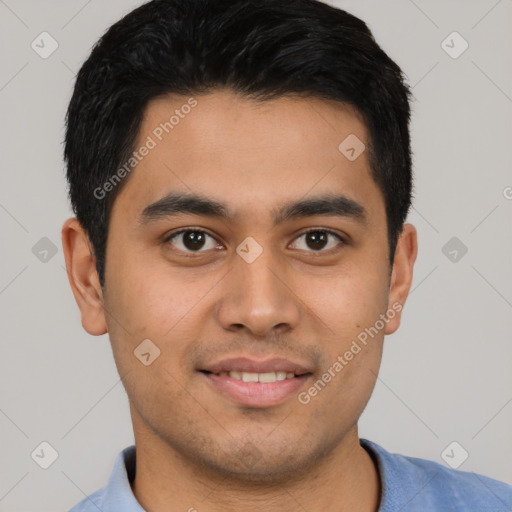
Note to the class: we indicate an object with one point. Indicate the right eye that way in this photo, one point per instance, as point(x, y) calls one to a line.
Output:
point(191, 240)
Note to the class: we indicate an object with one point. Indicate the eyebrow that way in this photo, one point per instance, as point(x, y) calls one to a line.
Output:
point(176, 203)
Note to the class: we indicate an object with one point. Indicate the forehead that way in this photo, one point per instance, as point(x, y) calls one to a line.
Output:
point(251, 155)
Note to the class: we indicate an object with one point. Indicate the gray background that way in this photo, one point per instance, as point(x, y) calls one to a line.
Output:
point(446, 373)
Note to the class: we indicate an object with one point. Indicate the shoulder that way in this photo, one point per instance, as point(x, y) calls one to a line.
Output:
point(116, 494)
point(416, 484)
point(91, 503)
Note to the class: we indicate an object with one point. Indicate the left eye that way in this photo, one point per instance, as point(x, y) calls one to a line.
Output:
point(194, 240)
point(317, 239)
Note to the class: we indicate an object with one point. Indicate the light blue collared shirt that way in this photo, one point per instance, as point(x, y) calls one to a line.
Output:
point(409, 484)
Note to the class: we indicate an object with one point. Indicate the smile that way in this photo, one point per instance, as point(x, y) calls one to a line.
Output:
point(258, 377)
point(256, 389)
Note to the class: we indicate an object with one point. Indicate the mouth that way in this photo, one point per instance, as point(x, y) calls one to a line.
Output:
point(265, 377)
point(256, 384)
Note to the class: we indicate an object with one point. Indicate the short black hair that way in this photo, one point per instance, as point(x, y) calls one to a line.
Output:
point(262, 50)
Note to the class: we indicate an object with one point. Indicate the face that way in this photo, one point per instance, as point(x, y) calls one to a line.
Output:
point(248, 281)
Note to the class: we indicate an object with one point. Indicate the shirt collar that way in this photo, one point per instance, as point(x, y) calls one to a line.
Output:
point(118, 492)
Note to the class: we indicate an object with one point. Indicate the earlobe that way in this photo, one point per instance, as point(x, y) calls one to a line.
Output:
point(402, 274)
point(83, 277)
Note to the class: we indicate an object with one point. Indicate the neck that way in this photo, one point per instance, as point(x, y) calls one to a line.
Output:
point(344, 480)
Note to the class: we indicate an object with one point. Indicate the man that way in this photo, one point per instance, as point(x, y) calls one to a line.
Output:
point(241, 175)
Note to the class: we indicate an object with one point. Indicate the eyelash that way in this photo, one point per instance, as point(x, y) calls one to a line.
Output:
point(311, 230)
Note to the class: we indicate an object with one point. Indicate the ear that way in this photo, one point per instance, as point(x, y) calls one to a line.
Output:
point(83, 277)
point(401, 276)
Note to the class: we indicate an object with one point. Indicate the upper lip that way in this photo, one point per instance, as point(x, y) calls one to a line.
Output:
point(244, 364)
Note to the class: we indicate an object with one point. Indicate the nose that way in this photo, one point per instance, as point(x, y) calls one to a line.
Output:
point(259, 296)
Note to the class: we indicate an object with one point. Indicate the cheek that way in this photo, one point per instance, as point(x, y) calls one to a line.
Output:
point(146, 306)
point(351, 307)
point(347, 302)
point(346, 382)
point(153, 298)
point(157, 302)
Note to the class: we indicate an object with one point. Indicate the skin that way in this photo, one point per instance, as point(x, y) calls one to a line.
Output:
point(294, 301)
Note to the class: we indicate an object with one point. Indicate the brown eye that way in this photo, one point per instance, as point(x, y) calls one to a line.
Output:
point(317, 240)
point(192, 240)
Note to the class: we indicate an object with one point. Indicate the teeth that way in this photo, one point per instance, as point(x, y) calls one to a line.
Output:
point(267, 377)
point(249, 377)
point(259, 377)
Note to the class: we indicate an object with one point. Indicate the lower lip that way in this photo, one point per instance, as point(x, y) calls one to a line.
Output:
point(256, 394)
